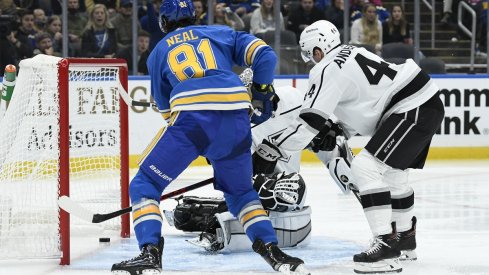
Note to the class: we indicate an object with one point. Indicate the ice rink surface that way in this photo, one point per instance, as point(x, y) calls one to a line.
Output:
point(452, 206)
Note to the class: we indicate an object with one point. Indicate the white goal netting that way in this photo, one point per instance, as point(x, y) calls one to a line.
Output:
point(29, 154)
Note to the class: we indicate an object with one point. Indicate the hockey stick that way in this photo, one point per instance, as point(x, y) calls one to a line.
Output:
point(68, 205)
point(131, 102)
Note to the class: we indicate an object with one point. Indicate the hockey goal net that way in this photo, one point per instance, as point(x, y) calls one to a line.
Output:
point(64, 133)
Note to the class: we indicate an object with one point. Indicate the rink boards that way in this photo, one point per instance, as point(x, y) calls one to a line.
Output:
point(464, 133)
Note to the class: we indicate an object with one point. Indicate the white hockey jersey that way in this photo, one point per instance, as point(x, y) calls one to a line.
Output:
point(288, 109)
point(360, 89)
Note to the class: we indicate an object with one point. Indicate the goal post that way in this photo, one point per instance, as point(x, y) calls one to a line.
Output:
point(65, 133)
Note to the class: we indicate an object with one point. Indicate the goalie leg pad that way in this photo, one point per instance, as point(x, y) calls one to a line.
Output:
point(293, 229)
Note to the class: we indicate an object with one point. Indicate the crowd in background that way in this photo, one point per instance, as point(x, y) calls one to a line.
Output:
point(103, 28)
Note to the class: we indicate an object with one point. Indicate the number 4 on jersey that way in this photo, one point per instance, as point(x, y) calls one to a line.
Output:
point(381, 68)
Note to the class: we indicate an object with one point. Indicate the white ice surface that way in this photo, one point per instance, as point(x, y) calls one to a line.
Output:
point(452, 206)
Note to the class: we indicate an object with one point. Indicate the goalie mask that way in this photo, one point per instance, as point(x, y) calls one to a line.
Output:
point(281, 192)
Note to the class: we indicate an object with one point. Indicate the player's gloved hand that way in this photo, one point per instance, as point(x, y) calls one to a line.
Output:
point(262, 102)
point(265, 158)
point(325, 140)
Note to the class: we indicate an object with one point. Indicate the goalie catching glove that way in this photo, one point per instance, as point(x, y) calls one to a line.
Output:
point(281, 192)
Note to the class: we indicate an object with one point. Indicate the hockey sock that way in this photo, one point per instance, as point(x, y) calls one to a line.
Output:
point(147, 221)
point(250, 213)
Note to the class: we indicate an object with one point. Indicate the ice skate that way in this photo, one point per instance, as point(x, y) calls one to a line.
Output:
point(407, 243)
point(381, 257)
point(279, 260)
point(147, 263)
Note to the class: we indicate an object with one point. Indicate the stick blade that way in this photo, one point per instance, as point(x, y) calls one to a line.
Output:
point(68, 205)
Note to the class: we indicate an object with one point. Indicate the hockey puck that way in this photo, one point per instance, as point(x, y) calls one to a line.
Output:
point(104, 240)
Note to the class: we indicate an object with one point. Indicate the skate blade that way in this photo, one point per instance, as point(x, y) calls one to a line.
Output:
point(143, 272)
point(384, 266)
point(408, 255)
point(300, 270)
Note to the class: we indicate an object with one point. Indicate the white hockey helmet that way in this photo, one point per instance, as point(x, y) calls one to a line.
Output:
point(322, 34)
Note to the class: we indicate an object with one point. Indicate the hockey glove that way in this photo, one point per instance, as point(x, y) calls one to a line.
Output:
point(262, 102)
point(325, 140)
point(280, 192)
point(265, 158)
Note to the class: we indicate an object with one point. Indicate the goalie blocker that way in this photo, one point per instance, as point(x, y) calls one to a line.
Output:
point(220, 230)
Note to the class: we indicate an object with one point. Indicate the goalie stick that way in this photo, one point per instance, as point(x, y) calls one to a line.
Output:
point(70, 206)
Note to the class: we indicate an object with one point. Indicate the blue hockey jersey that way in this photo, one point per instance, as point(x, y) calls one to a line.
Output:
point(191, 68)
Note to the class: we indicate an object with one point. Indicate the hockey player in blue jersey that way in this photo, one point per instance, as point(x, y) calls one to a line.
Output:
point(207, 109)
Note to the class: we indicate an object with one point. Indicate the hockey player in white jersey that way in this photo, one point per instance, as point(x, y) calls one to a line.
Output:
point(397, 105)
point(284, 108)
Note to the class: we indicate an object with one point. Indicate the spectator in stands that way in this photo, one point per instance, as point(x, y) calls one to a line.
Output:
point(303, 16)
point(8, 7)
point(26, 4)
point(377, 3)
point(142, 54)
point(200, 12)
point(367, 29)
point(40, 19)
point(149, 23)
point(77, 22)
point(241, 7)
point(358, 5)
point(262, 19)
point(482, 32)
point(396, 28)
point(99, 38)
point(8, 54)
point(44, 45)
point(335, 14)
point(447, 11)
point(323, 5)
point(26, 32)
point(122, 23)
point(111, 5)
point(55, 6)
point(53, 28)
point(225, 16)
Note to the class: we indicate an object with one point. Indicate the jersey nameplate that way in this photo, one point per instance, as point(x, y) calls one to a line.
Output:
point(341, 57)
point(181, 37)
